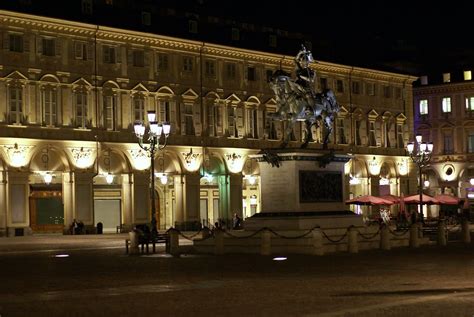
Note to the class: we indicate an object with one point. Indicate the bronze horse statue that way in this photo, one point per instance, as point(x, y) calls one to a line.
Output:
point(297, 101)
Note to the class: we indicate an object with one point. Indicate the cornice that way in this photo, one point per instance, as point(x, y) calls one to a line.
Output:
point(444, 88)
point(13, 19)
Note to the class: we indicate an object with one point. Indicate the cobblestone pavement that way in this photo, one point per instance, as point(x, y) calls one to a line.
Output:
point(98, 279)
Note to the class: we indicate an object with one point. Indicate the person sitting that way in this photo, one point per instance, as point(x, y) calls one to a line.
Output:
point(236, 222)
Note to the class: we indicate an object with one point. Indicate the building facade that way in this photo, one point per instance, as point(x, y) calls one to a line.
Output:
point(444, 115)
point(71, 92)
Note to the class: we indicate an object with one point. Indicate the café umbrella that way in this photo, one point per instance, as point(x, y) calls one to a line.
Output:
point(447, 199)
point(369, 200)
point(415, 199)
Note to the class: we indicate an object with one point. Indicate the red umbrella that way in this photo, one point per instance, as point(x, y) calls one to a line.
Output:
point(415, 199)
point(369, 200)
point(392, 198)
point(447, 199)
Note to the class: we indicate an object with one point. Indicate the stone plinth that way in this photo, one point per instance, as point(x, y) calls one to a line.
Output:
point(306, 190)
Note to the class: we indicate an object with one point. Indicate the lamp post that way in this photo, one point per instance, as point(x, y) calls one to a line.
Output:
point(420, 153)
point(156, 130)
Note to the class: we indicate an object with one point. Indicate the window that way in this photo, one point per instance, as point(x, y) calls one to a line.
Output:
point(252, 123)
point(400, 142)
point(187, 64)
point(109, 113)
point(448, 144)
point(235, 34)
point(355, 87)
point(269, 75)
point(398, 93)
point(358, 140)
point(272, 40)
point(469, 103)
point(372, 141)
point(339, 86)
point(387, 91)
point(251, 74)
point(165, 110)
point(387, 129)
point(109, 54)
point(49, 107)
point(80, 50)
point(341, 135)
point(324, 83)
point(49, 47)
point(146, 18)
point(230, 71)
point(470, 143)
point(467, 75)
point(138, 108)
point(231, 121)
point(193, 26)
point(423, 104)
point(370, 89)
point(138, 58)
point(446, 77)
point(446, 104)
point(211, 119)
point(16, 43)
point(16, 105)
point(162, 64)
point(210, 69)
point(81, 110)
point(188, 118)
point(270, 126)
point(86, 6)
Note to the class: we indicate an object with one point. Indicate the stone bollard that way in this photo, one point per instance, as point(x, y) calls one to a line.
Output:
point(441, 233)
point(174, 242)
point(134, 249)
point(266, 247)
point(318, 246)
point(385, 238)
point(353, 241)
point(466, 233)
point(219, 242)
point(414, 241)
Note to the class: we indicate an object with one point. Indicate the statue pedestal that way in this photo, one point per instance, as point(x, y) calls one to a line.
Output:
point(307, 190)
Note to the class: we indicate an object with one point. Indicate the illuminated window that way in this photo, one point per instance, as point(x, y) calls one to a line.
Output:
point(467, 75)
point(446, 77)
point(50, 110)
point(252, 123)
point(446, 104)
point(423, 106)
point(211, 118)
point(448, 144)
point(470, 103)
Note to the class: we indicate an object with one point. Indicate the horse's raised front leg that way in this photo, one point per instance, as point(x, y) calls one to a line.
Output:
point(308, 135)
point(328, 123)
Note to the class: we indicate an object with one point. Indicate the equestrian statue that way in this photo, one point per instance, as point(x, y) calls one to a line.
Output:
point(297, 100)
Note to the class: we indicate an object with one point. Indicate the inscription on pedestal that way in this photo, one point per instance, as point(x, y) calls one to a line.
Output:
point(318, 186)
point(277, 188)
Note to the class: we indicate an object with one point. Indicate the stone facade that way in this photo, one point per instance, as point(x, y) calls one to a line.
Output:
point(70, 93)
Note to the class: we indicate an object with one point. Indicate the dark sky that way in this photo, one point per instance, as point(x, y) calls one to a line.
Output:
point(420, 36)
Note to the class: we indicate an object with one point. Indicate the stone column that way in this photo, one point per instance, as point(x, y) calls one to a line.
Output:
point(235, 194)
point(127, 199)
point(141, 209)
point(191, 201)
point(68, 200)
point(179, 198)
point(17, 202)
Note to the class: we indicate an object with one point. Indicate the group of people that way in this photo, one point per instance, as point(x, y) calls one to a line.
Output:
point(77, 227)
point(236, 223)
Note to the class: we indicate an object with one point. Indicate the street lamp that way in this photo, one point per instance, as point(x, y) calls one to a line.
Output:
point(420, 152)
point(156, 130)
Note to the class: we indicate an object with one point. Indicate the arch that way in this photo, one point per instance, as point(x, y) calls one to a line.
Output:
point(110, 84)
point(50, 78)
point(47, 157)
point(253, 100)
point(165, 90)
point(167, 162)
point(113, 161)
point(212, 95)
